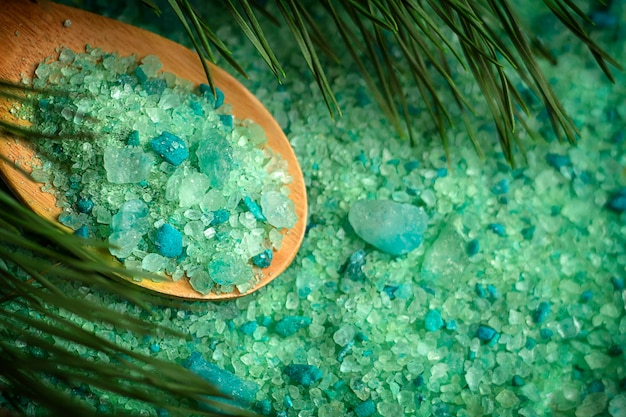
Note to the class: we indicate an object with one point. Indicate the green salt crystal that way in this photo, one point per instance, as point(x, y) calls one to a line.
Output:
point(617, 406)
point(229, 269)
point(124, 242)
point(153, 262)
point(213, 200)
point(507, 398)
point(593, 405)
point(192, 189)
point(394, 228)
point(215, 158)
point(200, 281)
point(278, 209)
point(127, 165)
point(597, 360)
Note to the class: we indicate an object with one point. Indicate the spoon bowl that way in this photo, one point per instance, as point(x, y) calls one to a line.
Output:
point(30, 32)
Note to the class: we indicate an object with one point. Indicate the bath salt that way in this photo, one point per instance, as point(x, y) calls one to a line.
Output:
point(160, 169)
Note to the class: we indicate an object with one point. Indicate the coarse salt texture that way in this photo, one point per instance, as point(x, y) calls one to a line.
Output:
point(180, 181)
point(351, 330)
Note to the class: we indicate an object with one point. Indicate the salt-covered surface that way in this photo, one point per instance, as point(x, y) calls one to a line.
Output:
point(543, 234)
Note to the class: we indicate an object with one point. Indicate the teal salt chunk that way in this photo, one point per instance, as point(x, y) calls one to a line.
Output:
point(263, 259)
point(617, 201)
point(288, 326)
point(391, 227)
point(168, 241)
point(541, 312)
point(227, 269)
point(215, 159)
point(473, 247)
point(497, 228)
point(433, 321)
point(278, 209)
point(154, 86)
point(365, 409)
point(254, 208)
point(82, 231)
point(128, 226)
point(249, 327)
point(220, 216)
point(227, 120)
point(305, 375)
point(227, 383)
point(485, 333)
point(84, 205)
point(128, 165)
point(133, 138)
point(353, 268)
point(170, 147)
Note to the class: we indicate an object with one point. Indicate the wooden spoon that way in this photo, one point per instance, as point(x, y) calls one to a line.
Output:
point(30, 32)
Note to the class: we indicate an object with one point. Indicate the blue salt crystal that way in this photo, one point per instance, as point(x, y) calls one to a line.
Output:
point(141, 74)
point(226, 382)
point(390, 290)
point(528, 232)
point(530, 343)
point(196, 108)
point(501, 187)
point(365, 409)
point(82, 231)
point(518, 381)
point(485, 333)
point(394, 228)
point(433, 320)
point(289, 325)
point(493, 291)
point(170, 147)
point(442, 172)
point(617, 201)
point(215, 158)
point(411, 165)
point(133, 138)
point(168, 241)
point(155, 86)
point(451, 325)
point(497, 228)
point(263, 259)
point(596, 386)
point(155, 348)
point(557, 161)
point(354, 264)
point(254, 208)
point(220, 216)
point(287, 401)
point(541, 312)
point(219, 98)
point(546, 333)
point(263, 407)
point(618, 283)
point(249, 327)
point(227, 120)
point(586, 296)
point(473, 247)
point(480, 290)
point(84, 205)
point(305, 375)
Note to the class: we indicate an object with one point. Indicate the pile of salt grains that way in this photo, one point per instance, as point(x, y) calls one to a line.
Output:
point(165, 174)
point(513, 305)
